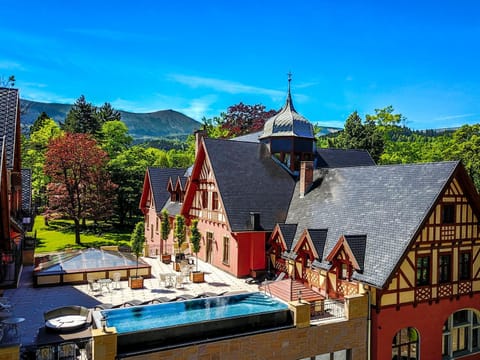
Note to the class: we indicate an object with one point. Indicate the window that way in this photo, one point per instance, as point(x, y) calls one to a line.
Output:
point(445, 269)
point(464, 264)
point(461, 335)
point(205, 199)
point(156, 224)
point(226, 250)
point(344, 273)
point(214, 201)
point(423, 270)
point(448, 214)
point(405, 344)
point(147, 221)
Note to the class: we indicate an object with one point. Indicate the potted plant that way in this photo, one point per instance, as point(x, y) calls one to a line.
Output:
point(195, 237)
point(138, 241)
point(179, 234)
point(165, 230)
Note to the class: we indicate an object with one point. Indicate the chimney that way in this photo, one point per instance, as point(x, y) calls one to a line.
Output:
point(199, 135)
point(306, 177)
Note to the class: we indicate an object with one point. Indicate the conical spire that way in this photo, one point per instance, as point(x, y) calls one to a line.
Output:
point(289, 102)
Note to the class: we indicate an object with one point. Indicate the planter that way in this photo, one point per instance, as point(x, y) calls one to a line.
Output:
point(166, 258)
point(176, 266)
point(135, 282)
point(197, 276)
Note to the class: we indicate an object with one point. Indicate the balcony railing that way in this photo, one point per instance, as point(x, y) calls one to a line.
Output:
point(327, 309)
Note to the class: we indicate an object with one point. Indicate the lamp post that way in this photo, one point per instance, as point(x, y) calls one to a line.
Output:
point(103, 321)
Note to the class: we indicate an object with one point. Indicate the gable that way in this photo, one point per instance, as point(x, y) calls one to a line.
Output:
point(248, 181)
point(350, 248)
point(387, 204)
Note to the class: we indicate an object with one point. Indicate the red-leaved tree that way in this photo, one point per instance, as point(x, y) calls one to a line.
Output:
point(80, 186)
point(242, 119)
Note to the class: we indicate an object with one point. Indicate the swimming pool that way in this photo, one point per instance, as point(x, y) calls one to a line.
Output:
point(77, 266)
point(173, 323)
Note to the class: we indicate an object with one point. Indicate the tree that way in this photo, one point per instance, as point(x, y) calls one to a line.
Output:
point(39, 122)
point(179, 232)
point(115, 138)
point(128, 172)
point(106, 113)
point(74, 164)
point(33, 155)
point(242, 119)
point(195, 238)
point(466, 147)
point(82, 118)
point(138, 241)
point(8, 83)
point(358, 135)
point(164, 227)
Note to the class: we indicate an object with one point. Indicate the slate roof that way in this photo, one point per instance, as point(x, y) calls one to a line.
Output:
point(288, 233)
point(249, 180)
point(252, 137)
point(319, 238)
point(336, 158)
point(357, 244)
point(387, 204)
point(8, 120)
point(158, 180)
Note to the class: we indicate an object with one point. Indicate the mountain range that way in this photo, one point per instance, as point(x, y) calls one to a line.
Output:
point(141, 126)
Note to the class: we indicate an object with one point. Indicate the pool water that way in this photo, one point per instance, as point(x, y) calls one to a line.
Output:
point(140, 318)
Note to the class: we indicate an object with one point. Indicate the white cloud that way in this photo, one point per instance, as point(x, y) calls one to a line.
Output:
point(10, 65)
point(453, 117)
point(227, 86)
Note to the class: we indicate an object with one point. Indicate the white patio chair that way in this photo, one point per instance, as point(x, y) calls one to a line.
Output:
point(116, 281)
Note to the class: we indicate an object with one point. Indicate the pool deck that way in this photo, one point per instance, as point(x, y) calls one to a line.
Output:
point(30, 303)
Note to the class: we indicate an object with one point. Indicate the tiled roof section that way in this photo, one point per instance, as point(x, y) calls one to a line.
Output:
point(287, 122)
point(26, 190)
point(172, 207)
point(385, 203)
point(8, 120)
point(357, 244)
point(249, 181)
point(336, 158)
point(159, 179)
point(288, 233)
point(319, 238)
point(252, 137)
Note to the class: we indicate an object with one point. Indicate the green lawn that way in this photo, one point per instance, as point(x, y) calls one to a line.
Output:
point(60, 234)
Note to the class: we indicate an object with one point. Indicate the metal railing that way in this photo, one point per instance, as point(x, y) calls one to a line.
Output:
point(327, 309)
point(80, 349)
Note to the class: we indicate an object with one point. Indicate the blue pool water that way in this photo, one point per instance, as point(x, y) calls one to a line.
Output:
point(139, 318)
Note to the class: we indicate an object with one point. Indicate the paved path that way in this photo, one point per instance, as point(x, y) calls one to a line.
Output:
point(30, 303)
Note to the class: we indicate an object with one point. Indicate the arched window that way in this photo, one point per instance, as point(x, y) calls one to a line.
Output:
point(461, 334)
point(405, 344)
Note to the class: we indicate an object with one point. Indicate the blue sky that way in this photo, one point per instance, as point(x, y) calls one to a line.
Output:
point(199, 57)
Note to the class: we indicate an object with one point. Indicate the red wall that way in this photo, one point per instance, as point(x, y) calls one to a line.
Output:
point(251, 254)
point(427, 319)
point(247, 250)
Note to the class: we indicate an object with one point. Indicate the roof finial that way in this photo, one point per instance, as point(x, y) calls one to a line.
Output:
point(289, 95)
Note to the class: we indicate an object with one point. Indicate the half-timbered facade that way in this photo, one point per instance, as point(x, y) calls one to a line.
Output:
point(163, 189)
point(409, 237)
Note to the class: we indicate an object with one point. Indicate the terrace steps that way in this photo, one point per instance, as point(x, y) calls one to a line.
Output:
point(288, 290)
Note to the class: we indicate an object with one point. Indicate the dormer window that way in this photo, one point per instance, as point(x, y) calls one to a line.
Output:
point(345, 271)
